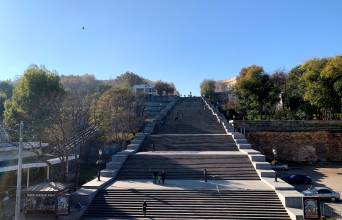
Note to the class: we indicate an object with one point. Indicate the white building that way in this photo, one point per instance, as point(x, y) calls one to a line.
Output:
point(230, 83)
point(145, 89)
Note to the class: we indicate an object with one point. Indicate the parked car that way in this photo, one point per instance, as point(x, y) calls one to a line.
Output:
point(297, 179)
point(280, 166)
point(323, 193)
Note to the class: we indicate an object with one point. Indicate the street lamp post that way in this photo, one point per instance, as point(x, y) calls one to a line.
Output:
point(274, 151)
point(99, 163)
point(274, 154)
point(19, 173)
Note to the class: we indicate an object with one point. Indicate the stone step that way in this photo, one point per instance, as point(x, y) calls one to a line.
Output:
point(134, 147)
point(189, 166)
point(262, 165)
point(241, 141)
point(257, 157)
point(244, 146)
point(183, 204)
point(249, 151)
point(119, 157)
point(266, 173)
point(108, 173)
point(237, 135)
point(113, 165)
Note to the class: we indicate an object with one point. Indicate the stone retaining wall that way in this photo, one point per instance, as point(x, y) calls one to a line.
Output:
point(289, 125)
point(299, 146)
point(297, 141)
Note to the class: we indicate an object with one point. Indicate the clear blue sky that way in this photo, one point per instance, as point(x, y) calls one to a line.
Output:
point(182, 41)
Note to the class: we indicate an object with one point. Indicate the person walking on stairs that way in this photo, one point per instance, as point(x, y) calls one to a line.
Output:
point(177, 116)
point(144, 207)
point(159, 178)
point(155, 175)
point(163, 176)
point(205, 174)
point(153, 147)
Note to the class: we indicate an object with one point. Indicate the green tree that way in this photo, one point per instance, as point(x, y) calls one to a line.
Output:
point(6, 90)
point(3, 98)
point(33, 101)
point(256, 92)
point(208, 88)
point(315, 91)
point(293, 96)
point(332, 77)
point(322, 78)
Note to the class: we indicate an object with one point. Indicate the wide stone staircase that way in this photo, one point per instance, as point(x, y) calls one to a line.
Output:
point(189, 166)
point(187, 204)
point(187, 142)
point(190, 116)
point(160, 142)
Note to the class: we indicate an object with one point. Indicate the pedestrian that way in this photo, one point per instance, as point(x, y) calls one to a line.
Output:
point(155, 174)
point(153, 147)
point(276, 176)
point(205, 174)
point(144, 207)
point(163, 176)
point(159, 178)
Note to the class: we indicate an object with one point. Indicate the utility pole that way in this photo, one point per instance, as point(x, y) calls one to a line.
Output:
point(19, 173)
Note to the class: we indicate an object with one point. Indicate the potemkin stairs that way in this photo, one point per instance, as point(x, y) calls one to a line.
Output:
point(187, 142)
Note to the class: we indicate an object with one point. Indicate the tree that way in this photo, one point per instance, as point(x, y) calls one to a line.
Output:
point(279, 80)
point(41, 102)
point(164, 88)
point(332, 77)
point(315, 91)
point(60, 132)
point(75, 113)
point(33, 101)
point(293, 96)
point(118, 114)
point(256, 91)
point(128, 79)
point(6, 90)
point(3, 98)
point(208, 88)
point(322, 78)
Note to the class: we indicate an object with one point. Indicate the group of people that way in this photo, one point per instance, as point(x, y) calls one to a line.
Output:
point(179, 116)
point(159, 177)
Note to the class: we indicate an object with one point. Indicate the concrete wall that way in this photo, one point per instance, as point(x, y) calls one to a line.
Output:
point(298, 141)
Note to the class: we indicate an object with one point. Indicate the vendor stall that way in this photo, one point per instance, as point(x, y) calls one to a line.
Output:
point(47, 198)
